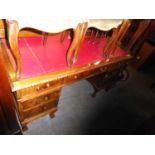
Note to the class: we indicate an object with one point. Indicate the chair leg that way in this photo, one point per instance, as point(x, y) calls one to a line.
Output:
point(96, 35)
point(63, 36)
point(91, 35)
point(117, 35)
point(79, 34)
point(12, 35)
point(45, 35)
point(81, 38)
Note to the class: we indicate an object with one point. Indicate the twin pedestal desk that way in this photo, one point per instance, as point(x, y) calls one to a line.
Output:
point(54, 53)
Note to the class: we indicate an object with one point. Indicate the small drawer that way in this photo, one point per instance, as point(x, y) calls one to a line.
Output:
point(40, 109)
point(73, 78)
point(38, 88)
point(48, 85)
point(40, 100)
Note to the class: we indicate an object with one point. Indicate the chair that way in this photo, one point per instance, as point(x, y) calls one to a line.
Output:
point(14, 28)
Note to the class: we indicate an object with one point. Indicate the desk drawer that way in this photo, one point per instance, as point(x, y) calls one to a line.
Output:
point(40, 88)
point(33, 112)
point(35, 102)
point(72, 78)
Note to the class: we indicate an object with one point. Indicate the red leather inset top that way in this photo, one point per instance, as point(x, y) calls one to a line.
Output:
point(38, 59)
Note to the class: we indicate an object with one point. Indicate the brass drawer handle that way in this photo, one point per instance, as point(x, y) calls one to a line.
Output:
point(105, 68)
point(37, 88)
point(44, 108)
point(46, 98)
point(75, 77)
point(101, 69)
point(47, 85)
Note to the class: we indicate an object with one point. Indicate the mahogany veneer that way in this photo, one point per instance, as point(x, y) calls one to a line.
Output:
point(45, 70)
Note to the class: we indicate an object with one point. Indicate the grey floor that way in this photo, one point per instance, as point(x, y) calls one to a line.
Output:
point(128, 108)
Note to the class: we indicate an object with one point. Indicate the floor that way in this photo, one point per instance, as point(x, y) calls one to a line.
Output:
point(128, 108)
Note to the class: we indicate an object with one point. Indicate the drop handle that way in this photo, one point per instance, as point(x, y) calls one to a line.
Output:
point(44, 108)
point(46, 98)
point(38, 88)
point(47, 85)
